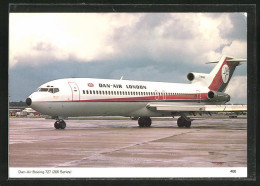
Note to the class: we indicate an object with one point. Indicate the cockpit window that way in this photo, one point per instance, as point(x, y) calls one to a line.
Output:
point(43, 89)
point(51, 90)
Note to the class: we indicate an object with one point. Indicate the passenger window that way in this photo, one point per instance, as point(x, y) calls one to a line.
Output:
point(83, 91)
point(90, 92)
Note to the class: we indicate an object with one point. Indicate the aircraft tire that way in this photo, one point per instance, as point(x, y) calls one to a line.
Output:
point(187, 124)
point(182, 122)
point(57, 125)
point(62, 124)
point(144, 122)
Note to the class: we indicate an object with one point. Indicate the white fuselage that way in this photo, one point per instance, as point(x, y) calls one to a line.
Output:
point(107, 97)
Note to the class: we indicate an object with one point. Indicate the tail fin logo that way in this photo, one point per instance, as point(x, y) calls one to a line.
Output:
point(225, 73)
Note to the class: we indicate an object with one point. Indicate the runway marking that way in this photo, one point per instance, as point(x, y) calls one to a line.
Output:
point(95, 155)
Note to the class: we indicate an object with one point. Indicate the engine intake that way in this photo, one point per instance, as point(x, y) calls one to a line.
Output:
point(190, 76)
point(196, 76)
point(218, 96)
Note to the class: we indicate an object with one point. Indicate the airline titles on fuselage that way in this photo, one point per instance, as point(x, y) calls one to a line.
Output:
point(102, 85)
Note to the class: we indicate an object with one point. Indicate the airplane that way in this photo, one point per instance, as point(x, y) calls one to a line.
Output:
point(30, 111)
point(139, 100)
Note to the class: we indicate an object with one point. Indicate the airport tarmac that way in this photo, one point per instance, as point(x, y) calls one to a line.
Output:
point(34, 142)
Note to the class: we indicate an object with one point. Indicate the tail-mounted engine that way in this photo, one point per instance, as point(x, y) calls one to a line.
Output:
point(218, 96)
point(196, 76)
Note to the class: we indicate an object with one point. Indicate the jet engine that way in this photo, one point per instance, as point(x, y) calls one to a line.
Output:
point(196, 76)
point(218, 96)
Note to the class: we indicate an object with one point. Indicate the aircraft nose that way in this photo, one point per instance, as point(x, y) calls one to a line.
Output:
point(28, 101)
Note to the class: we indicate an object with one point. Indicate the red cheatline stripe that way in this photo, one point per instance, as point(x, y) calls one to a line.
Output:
point(149, 98)
point(152, 98)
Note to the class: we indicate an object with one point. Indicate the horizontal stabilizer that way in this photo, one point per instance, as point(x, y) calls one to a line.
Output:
point(236, 60)
point(229, 60)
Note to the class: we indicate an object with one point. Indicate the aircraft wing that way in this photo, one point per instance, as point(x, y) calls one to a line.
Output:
point(196, 108)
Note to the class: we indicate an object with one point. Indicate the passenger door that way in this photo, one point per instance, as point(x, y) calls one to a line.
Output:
point(198, 96)
point(74, 91)
point(163, 95)
point(156, 94)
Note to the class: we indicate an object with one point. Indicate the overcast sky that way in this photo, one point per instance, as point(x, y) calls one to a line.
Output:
point(138, 46)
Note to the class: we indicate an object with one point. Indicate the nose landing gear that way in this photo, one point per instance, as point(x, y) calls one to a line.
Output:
point(60, 124)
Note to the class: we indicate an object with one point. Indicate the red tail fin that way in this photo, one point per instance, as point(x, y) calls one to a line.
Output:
point(223, 72)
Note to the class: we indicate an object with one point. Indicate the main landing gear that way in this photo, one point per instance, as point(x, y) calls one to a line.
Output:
point(60, 124)
point(184, 121)
point(144, 122)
